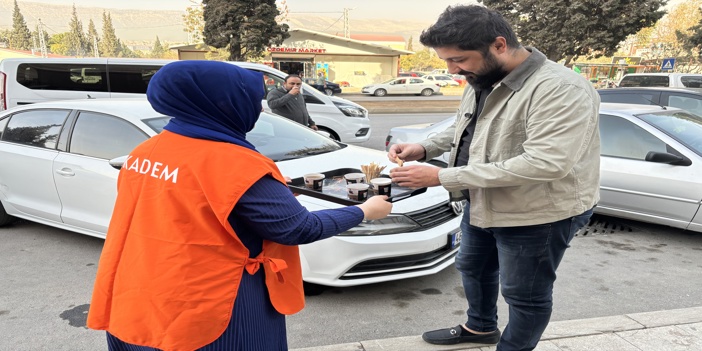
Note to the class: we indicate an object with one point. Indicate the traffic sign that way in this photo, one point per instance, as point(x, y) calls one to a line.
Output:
point(668, 64)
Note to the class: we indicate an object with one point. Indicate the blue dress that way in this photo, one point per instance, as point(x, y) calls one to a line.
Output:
point(265, 211)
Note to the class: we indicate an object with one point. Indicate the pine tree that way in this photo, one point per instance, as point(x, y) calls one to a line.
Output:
point(158, 50)
point(77, 43)
point(246, 28)
point(20, 38)
point(409, 43)
point(93, 38)
point(109, 44)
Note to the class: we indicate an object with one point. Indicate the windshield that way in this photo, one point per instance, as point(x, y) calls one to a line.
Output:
point(276, 137)
point(681, 126)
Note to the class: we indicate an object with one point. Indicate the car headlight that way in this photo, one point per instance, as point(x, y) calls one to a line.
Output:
point(350, 110)
point(391, 224)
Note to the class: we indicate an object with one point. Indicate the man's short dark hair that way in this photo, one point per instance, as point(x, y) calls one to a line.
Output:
point(468, 27)
point(291, 76)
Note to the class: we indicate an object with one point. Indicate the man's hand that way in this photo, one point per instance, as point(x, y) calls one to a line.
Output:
point(406, 152)
point(294, 90)
point(416, 176)
point(314, 127)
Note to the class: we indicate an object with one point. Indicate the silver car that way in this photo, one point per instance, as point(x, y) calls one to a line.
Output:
point(402, 85)
point(651, 162)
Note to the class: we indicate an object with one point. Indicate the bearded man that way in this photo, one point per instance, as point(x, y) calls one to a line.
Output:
point(525, 153)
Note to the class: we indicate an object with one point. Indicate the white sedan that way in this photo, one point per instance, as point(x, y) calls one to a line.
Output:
point(402, 85)
point(441, 79)
point(59, 168)
point(650, 163)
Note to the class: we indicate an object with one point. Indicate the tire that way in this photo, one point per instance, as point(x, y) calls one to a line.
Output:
point(329, 92)
point(380, 92)
point(427, 92)
point(4, 217)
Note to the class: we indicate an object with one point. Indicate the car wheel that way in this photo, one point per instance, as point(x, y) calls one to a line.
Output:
point(313, 289)
point(328, 133)
point(4, 217)
point(380, 92)
point(427, 92)
point(329, 92)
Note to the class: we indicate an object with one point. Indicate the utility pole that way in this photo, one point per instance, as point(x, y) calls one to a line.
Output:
point(347, 27)
point(42, 41)
point(96, 52)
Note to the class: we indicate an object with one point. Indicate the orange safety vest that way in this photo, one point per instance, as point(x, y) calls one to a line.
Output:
point(171, 264)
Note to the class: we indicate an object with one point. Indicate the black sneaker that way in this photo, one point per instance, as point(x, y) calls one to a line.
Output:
point(457, 335)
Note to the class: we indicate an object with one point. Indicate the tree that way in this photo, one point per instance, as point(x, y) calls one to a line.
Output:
point(568, 29)
point(246, 28)
point(93, 39)
point(157, 50)
point(109, 45)
point(20, 38)
point(193, 21)
point(422, 60)
point(58, 43)
point(77, 44)
point(409, 43)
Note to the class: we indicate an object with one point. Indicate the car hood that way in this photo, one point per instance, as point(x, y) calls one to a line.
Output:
point(353, 157)
point(344, 101)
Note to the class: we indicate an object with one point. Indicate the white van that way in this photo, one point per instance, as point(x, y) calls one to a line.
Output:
point(29, 80)
point(690, 81)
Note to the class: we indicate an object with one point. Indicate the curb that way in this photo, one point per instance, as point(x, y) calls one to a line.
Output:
point(555, 331)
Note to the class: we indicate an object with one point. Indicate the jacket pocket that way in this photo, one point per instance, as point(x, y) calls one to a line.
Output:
point(519, 199)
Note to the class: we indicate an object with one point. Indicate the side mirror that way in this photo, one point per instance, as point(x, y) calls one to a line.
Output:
point(667, 158)
point(118, 162)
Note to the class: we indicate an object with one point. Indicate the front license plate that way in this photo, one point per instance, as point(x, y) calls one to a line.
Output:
point(454, 239)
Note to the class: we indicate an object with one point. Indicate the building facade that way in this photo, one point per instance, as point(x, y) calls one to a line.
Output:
point(339, 59)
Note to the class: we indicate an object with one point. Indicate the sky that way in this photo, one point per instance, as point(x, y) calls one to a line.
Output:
point(424, 10)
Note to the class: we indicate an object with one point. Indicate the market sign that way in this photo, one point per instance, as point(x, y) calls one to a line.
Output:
point(297, 50)
point(628, 60)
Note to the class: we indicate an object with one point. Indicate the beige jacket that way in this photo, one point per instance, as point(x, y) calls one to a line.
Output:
point(535, 156)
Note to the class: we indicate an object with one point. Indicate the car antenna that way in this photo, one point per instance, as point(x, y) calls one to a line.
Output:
point(90, 97)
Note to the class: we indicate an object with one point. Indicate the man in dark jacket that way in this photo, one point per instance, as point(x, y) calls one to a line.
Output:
point(289, 102)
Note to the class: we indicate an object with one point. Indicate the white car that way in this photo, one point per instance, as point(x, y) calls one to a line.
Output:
point(650, 164)
point(402, 85)
point(442, 79)
point(59, 168)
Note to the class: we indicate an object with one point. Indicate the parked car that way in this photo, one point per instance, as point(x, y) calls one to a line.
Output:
point(672, 80)
point(442, 79)
point(59, 162)
point(461, 79)
point(651, 161)
point(330, 89)
point(681, 98)
point(404, 85)
point(409, 74)
point(32, 79)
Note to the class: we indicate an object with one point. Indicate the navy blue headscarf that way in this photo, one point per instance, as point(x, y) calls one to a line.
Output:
point(208, 99)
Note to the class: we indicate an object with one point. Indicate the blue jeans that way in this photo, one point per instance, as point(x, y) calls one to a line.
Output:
point(524, 261)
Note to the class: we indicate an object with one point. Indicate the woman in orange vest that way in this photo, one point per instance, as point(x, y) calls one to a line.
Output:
point(201, 249)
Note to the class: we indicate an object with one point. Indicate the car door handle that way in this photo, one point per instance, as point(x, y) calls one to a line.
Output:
point(65, 172)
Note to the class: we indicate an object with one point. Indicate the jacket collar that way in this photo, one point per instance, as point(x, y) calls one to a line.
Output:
point(515, 79)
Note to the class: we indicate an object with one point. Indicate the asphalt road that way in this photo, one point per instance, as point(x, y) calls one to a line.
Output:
point(619, 267)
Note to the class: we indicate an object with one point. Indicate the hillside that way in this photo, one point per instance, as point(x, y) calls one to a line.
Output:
point(144, 25)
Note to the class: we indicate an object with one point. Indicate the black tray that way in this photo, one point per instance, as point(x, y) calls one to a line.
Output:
point(334, 188)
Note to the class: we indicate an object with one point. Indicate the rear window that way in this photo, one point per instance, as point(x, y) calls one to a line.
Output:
point(627, 98)
point(644, 81)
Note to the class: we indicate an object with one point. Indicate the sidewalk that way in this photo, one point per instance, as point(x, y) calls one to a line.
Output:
point(673, 330)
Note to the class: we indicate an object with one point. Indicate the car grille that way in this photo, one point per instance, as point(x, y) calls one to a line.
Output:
point(401, 264)
point(433, 216)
